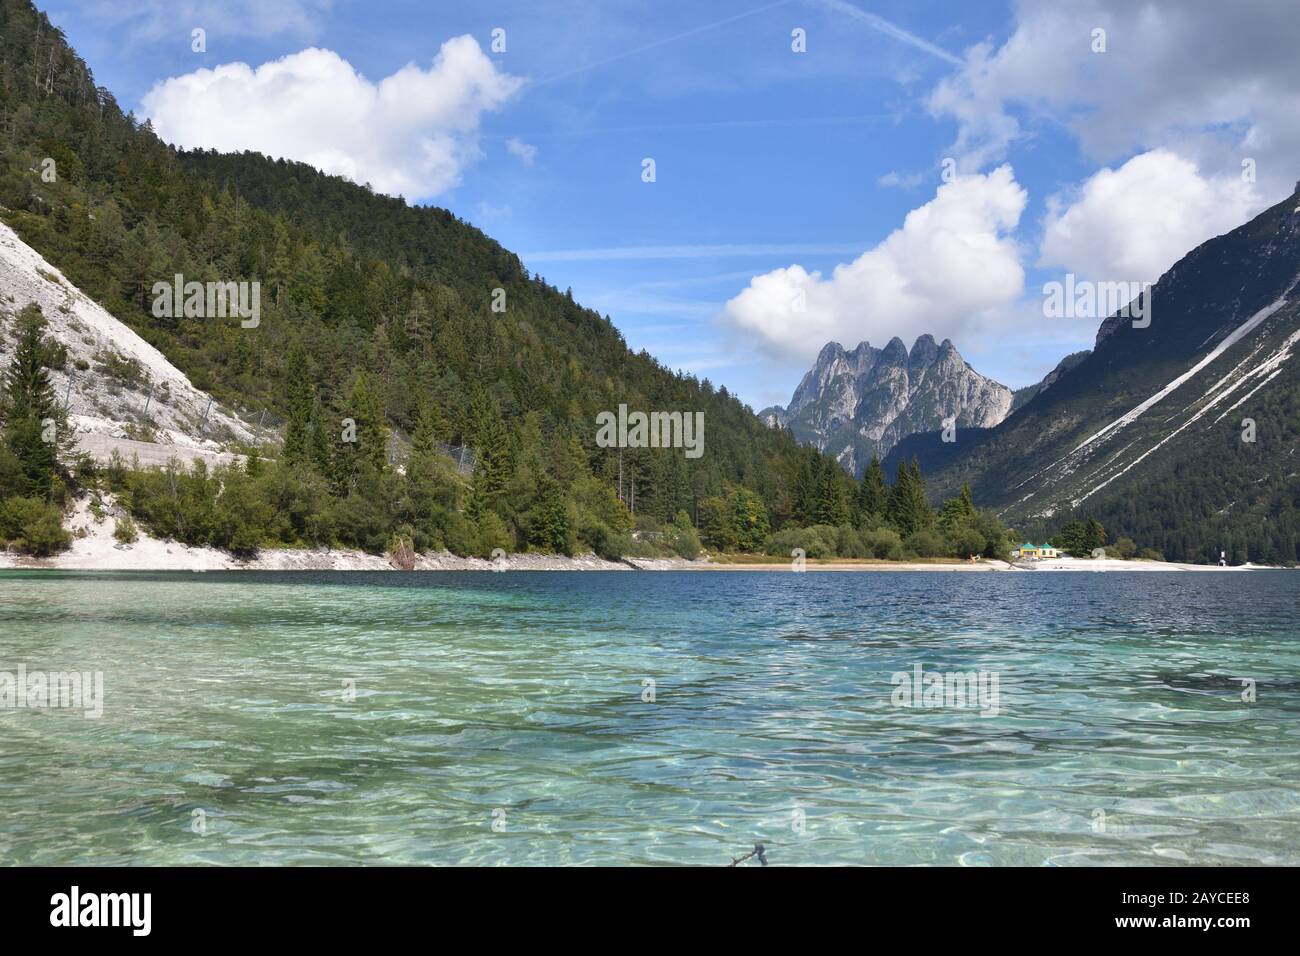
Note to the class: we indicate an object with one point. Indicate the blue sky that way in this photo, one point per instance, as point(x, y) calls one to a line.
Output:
point(771, 166)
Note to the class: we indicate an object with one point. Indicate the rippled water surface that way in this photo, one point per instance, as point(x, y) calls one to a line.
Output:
point(518, 699)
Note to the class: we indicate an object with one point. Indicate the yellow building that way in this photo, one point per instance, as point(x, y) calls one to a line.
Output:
point(1029, 550)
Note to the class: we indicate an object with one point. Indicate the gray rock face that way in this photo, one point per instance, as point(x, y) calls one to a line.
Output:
point(859, 403)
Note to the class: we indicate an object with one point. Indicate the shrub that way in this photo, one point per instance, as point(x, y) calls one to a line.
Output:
point(849, 544)
point(124, 530)
point(459, 533)
point(683, 538)
point(966, 542)
point(925, 544)
point(813, 545)
point(33, 526)
point(492, 534)
point(884, 543)
point(401, 552)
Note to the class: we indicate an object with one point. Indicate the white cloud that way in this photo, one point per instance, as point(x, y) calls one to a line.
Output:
point(411, 133)
point(1214, 82)
point(524, 152)
point(952, 265)
point(1134, 222)
point(895, 179)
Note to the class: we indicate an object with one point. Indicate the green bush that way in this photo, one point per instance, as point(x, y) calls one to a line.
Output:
point(849, 544)
point(966, 542)
point(124, 530)
point(813, 544)
point(32, 526)
point(460, 534)
point(925, 544)
point(683, 538)
point(884, 543)
point(492, 534)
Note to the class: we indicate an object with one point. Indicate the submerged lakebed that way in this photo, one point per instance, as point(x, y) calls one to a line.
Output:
point(667, 717)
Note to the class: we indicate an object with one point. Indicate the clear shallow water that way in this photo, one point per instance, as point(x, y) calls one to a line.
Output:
point(521, 693)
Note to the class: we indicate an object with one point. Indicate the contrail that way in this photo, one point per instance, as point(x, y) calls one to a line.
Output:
point(659, 43)
point(884, 26)
point(870, 19)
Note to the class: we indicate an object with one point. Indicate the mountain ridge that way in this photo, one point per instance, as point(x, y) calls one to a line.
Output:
point(858, 404)
point(1184, 433)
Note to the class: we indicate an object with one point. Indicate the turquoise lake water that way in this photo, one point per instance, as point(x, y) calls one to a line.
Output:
point(505, 719)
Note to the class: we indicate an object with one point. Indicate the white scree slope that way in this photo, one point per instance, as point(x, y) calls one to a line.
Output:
point(102, 403)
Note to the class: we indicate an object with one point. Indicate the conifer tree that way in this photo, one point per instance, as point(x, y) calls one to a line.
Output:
point(35, 425)
point(828, 507)
point(872, 494)
point(301, 396)
point(490, 441)
point(367, 410)
point(908, 509)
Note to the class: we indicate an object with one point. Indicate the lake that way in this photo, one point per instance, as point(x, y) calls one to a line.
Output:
point(654, 718)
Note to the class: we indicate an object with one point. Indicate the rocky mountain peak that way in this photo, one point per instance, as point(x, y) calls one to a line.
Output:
point(924, 351)
point(859, 403)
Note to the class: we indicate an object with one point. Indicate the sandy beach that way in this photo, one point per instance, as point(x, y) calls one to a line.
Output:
point(95, 549)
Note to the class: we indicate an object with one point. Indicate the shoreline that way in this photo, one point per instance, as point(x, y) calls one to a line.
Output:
point(178, 557)
point(95, 549)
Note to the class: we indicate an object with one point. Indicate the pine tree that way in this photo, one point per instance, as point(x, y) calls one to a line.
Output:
point(828, 507)
point(550, 529)
point(872, 495)
point(958, 511)
point(301, 395)
point(367, 410)
point(803, 488)
point(908, 509)
point(923, 515)
point(490, 441)
point(35, 425)
point(1094, 535)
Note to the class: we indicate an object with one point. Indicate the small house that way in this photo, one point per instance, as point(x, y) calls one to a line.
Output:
point(1031, 550)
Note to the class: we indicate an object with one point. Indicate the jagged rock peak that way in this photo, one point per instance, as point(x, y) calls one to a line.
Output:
point(856, 404)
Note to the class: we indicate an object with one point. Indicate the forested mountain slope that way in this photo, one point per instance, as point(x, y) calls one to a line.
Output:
point(372, 310)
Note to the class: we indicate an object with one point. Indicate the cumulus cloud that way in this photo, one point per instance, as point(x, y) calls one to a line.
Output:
point(950, 266)
point(410, 134)
point(1134, 222)
point(1214, 82)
